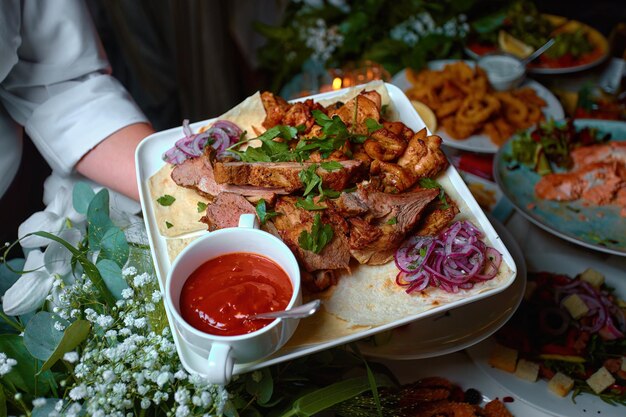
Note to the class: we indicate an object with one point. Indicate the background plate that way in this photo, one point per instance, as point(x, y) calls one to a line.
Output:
point(604, 229)
point(481, 143)
point(148, 162)
point(449, 332)
point(537, 394)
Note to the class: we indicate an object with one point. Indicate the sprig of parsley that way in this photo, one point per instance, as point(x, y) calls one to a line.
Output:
point(430, 183)
point(166, 200)
point(201, 206)
point(320, 235)
point(313, 182)
point(263, 213)
point(270, 150)
point(308, 204)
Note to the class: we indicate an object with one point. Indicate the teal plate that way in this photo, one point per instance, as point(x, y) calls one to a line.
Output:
point(598, 227)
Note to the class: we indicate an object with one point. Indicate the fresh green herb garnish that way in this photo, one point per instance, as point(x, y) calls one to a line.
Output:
point(372, 125)
point(331, 165)
point(318, 238)
point(166, 200)
point(308, 204)
point(313, 182)
point(392, 221)
point(201, 206)
point(262, 213)
point(430, 183)
point(270, 150)
point(168, 225)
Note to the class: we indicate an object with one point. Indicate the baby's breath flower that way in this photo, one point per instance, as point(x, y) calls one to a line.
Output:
point(156, 296)
point(6, 364)
point(70, 357)
point(78, 392)
point(128, 293)
point(128, 271)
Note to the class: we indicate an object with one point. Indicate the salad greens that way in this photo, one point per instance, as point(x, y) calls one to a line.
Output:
point(550, 144)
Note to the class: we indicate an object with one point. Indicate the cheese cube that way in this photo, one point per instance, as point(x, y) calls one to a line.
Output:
point(503, 358)
point(623, 367)
point(560, 384)
point(600, 380)
point(527, 370)
point(576, 306)
point(593, 277)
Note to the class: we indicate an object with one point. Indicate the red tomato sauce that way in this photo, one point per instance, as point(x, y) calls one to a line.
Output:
point(218, 297)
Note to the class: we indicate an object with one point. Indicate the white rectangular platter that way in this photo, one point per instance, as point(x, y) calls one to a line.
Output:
point(148, 158)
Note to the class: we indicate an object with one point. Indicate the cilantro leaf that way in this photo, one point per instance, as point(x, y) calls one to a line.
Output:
point(372, 125)
point(430, 183)
point(318, 238)
point(331, 165)
point(310, 179)
point(392, 220)
point(201, 206)
point(169, 225)
point(262, 212)
point(166, 200)
point(308, 204)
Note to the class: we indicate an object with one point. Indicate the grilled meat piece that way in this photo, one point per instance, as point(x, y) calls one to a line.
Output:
point(225, 209)
point(292, 221)
point(356, 111)
point(318, 280)
point(436, 218)
point(423, 156)
point(285, 174)
point(275, 109)
point(348, 205)
point(394, 215)
point(197, 174)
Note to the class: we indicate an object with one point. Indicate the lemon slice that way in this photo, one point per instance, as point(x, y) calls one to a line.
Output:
point(513, 45)
point(427, 115)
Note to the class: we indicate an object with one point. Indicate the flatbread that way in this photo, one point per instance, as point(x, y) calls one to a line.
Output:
point(182, 215)
point(376, 299)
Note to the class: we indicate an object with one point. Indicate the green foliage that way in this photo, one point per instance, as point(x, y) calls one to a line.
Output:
point(73, 336)
point(319, 236)
point(366, 29)
point(263, 213)
point(111, 274)
point(82, 196)
point(24, 377)
point(41, 337)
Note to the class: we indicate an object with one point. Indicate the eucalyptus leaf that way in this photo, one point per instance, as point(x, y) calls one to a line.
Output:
point(262, 389)
point(46, 409)
point(23, 375)
point(82, 196)
point(114, 246)
point(98, 219)
point(41, 338)
point(73, 336)
point(111, 273)
point(7, 276)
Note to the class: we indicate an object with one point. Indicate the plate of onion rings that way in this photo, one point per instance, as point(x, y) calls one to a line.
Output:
point(471, 116)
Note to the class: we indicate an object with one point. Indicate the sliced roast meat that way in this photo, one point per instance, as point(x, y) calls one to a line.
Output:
point(292, 221)
point(284, 174)
point(394, 215)
point(437, 217)
point(348, 205)
point(225, 209)
point(197, 174)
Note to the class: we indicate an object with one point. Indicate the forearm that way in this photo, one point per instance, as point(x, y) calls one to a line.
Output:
point(112, 162)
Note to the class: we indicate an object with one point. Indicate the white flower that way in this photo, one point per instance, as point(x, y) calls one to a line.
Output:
point(31, 289)
point(163, 378)
point(141, 280)
point(128, 293)
point(145, 403)
point(182, 411)
point(78, 392)
point(6, 364)
point(129, 271)
point(59, 326)
point(156, 296)
point(39, 402)
point(71, 357)
point(140, 323)
point(51, 220)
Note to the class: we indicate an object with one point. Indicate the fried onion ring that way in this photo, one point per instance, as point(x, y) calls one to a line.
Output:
point(476, 109)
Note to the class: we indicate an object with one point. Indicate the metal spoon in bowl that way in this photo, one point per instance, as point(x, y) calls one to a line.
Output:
point(300, 312)
point(538, 52)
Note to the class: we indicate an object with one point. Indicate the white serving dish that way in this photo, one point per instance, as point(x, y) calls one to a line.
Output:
point(148, 160)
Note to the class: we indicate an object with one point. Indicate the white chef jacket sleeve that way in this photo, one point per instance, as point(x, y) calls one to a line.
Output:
point(60, 89)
